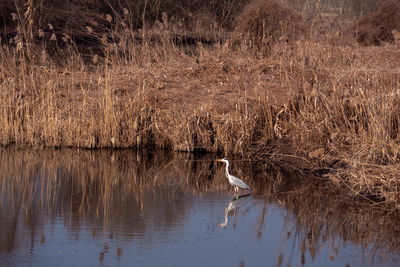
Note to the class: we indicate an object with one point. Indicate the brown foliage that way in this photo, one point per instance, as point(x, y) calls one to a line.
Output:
point(375, 28)
point(71, 19)
point(265, 22)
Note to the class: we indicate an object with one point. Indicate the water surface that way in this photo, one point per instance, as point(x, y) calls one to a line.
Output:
point(128, 208)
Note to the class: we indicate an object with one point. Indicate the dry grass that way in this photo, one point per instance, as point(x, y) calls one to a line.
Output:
point(378, 26)
point(264, 23)
point(323, 105)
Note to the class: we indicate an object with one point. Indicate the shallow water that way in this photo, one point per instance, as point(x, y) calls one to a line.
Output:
point(126, 208)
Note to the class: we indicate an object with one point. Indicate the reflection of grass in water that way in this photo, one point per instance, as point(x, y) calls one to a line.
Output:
point(98, 181)
point(319, 216)
point(113, 187)
point(107, 187)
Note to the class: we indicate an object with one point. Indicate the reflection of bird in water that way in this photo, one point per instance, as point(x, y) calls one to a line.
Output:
point(233, 180)
point(233, 205)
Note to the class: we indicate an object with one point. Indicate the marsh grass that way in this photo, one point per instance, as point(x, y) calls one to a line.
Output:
point(320, 104)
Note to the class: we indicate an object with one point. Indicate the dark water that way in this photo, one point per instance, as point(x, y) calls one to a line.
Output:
point(124, 208)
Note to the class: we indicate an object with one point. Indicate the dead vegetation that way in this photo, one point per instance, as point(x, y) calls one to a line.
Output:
point(263, 23)
point(317, 103)
point(377, 27)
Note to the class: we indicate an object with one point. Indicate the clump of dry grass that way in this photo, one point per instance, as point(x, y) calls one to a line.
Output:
point(377, 27)
point(266, 22)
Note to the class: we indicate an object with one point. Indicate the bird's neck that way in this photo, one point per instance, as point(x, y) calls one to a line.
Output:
point(226, 169)
point(225, 222)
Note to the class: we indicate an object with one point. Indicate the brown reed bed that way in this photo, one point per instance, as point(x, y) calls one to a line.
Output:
point(315, 101)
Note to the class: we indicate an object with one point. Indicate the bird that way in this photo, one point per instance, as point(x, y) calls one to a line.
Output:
point(233, 180)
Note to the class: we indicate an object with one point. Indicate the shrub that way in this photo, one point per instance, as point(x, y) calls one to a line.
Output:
point(265, 22)
point(376, 27)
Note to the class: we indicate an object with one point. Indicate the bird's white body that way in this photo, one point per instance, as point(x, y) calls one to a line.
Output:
point(233, 180)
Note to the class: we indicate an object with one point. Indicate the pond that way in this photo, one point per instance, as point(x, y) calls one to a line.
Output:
point(129, 208)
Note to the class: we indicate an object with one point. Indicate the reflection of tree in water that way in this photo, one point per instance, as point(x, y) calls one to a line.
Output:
point(135, 195)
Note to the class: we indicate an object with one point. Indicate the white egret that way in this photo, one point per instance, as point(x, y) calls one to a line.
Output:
point(233, 180)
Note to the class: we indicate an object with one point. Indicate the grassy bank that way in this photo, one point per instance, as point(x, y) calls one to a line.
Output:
point(307, 97)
